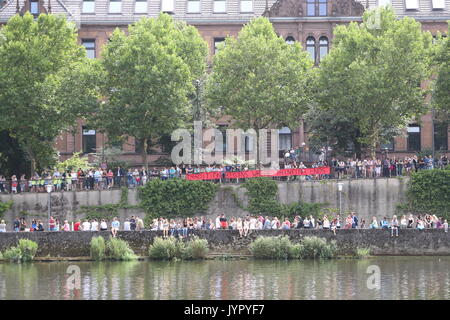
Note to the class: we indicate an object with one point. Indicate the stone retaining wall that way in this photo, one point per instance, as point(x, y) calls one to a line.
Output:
point(409, 242)
point(368, 197)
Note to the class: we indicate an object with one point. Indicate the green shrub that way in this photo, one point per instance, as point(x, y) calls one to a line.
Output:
point(317, 248)
point(119, 250)
point(362, 253)
point(165, 249)
point(28, 249)
point(196, 249)
point(98, 248)
point(13, 254)
point(171, 248)
point(274, 248)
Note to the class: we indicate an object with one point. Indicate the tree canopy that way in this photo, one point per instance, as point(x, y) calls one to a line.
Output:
point(258, 79)
point(371, 79)
point(442, 89)
point(40, 90)
point(148, 76)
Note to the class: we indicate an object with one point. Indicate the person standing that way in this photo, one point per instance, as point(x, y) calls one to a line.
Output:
point(2, 226)
point(51, 224)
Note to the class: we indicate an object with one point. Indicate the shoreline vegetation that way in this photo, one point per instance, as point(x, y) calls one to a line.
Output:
point(172, 249)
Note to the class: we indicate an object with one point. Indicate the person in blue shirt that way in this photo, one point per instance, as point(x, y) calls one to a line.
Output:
point(384, 224)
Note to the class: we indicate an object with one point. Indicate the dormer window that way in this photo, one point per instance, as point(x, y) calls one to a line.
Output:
point(167, 6)
point(88, 6)
point(34, 7)
point(412, 4)
point(316, 8)
point(438, 4)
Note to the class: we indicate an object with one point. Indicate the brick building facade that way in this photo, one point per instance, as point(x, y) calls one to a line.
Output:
point(310, 22)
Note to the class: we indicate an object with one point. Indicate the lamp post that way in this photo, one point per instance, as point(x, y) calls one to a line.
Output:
point(197, 100)
point(49, 189)
point(340, 186)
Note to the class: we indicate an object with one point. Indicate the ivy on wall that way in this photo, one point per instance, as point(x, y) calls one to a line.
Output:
point(429, 192)
point(175, 198)
point(5, 206)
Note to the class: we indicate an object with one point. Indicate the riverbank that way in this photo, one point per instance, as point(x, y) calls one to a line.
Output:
point(410, 242)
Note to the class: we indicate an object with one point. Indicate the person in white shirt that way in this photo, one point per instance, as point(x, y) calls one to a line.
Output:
point(274, 223)
point(86, 225)
point(218, 222)
point(3, 226)
point(103, 225)
point(311, 221)
point(252, 223)
point(94, 225)
point(126, 225)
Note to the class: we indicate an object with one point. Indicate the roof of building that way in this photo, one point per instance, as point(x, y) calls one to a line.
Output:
point(437, 10)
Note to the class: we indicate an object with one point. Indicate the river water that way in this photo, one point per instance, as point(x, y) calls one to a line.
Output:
point(400, 278)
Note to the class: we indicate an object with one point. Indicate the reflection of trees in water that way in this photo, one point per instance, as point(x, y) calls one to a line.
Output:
point(401, 278)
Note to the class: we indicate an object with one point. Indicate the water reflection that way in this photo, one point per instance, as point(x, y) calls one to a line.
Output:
point(401, 278)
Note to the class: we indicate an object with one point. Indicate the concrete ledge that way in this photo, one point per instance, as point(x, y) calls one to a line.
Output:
point(380, 242)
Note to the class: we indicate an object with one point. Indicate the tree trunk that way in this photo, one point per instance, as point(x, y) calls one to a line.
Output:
point(144, 152)
point(32, 156)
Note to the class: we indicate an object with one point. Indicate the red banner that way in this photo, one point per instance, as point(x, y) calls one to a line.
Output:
point(204, 176)
point(258, 173)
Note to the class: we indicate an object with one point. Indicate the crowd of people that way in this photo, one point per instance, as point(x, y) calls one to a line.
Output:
point(103, 179)
point(244, 225)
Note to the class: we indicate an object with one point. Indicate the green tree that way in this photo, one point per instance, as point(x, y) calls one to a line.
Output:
point(259, 80)
point(40, 92)
point(149, 74)
point(372, 77)
point(442, 89)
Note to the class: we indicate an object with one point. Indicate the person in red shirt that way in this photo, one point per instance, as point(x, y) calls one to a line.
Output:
point(52, 224)
point(76, 226)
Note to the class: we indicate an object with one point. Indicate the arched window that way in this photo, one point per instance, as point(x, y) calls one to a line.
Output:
point(323, 47)
point(316, 8)
point(290, 40)
point(311, 47)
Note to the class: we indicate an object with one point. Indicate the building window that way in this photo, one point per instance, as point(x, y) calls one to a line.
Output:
point(217, 42)
point(323, 47)
point(316, 8)
point(193, 6)
point(89, 140)
point(411, 4)
point(284, 138)
point(88, 6)
point(388, 146)
point(221, 147)
point(89, 44)
point(115, 6)
point(140, 6)
point(168, 6)
point(438, 4)
point(414, 137)
point(290, 40)
point(246, 5)
point(311, 47)
point(219, 6)
point(34, 8)
point(441, 136)
point(382, 3)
